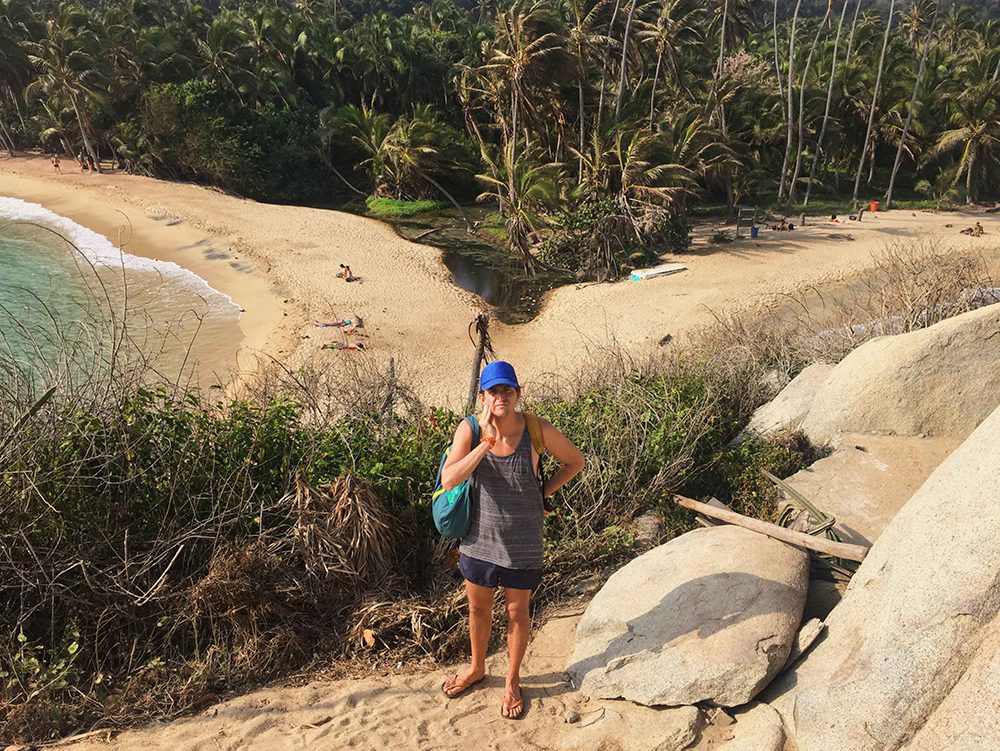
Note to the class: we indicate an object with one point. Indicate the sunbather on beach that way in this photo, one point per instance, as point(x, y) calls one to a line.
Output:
point(350, 324)
point(976, 231)
point(345, 273)
point(344, 345)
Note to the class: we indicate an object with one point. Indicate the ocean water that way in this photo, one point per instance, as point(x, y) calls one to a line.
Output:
point(71, 303)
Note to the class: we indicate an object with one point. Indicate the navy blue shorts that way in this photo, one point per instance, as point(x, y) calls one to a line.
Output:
point(490, 575)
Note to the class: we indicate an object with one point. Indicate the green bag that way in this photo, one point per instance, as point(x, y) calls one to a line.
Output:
point(452, 509)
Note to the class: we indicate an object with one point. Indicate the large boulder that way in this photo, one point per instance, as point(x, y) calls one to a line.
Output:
point(709, 616)
point(917, 624)
point(941, 381)
point(868, 478)
point(787, 410)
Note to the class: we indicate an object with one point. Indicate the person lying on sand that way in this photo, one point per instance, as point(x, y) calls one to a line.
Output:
point(976, 231)
point(345, 273)
point(503, 547)
point(344, 345)
point(350, 324)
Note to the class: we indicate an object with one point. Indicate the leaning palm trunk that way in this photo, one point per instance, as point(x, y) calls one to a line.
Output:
point(621, 77)
point(829, 98)
point(913, 103)
point(789, 118)
point(871, 112)
point(850, 39)
point(83, 131)
point(777, 62)
point(6, 141)
point(802, 109)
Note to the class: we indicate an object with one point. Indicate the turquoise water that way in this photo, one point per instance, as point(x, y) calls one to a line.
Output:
point(71, 304)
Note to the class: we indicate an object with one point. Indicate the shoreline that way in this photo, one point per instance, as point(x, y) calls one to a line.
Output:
point(278, 263)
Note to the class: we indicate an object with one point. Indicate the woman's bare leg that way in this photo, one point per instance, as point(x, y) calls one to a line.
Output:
point(480, 626)
point(518, 633)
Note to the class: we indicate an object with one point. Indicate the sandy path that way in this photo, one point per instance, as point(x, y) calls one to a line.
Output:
point(409, 712)
point(280, 262)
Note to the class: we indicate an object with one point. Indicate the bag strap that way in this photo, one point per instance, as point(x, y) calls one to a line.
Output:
point(477, 431)
point(534, 426)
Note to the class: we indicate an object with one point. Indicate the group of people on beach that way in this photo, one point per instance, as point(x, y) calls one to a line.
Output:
point(350, 325)
point(976, 231)
point(86, 162)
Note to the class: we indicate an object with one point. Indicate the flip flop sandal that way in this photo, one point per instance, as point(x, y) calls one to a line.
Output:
point(453, 683)
point(517, 703)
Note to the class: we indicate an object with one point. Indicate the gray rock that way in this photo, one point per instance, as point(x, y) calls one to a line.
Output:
point(941, 381)
point(805, 638)
point(918, 622)
point(759, 728)
point(787, 410)
point(868, 478)
point(629, 727)
point(709, 616)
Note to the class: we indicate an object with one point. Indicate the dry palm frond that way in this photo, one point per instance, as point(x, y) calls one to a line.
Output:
point(343, 528)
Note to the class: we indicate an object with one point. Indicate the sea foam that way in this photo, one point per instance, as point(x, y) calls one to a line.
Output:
point(99, 250)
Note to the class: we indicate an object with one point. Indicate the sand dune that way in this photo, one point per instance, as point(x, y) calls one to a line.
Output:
point(280, 264)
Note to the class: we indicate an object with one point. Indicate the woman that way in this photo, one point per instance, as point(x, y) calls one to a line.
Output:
point(504, 544)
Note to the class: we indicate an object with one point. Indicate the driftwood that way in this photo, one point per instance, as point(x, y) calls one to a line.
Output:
point(800, 539)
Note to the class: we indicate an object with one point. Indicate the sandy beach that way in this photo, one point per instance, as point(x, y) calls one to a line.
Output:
point(279, 263)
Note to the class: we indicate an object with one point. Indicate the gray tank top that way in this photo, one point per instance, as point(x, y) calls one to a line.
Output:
point(506, 525)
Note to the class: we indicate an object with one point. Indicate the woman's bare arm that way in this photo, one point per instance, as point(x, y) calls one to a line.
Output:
point(463, 459)
point(568, 455)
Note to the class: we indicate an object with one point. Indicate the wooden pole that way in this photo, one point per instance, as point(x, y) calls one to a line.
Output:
point(481, 326)
point(800, 539)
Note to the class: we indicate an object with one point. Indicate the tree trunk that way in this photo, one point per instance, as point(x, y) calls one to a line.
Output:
point(621, 77)
point(968, 178)
point(777, 62)
point(871, 112)
point(802, 108)
point(436, 184)
point(850, 39)
point(652, 95)
point(83, 132)
point(6, 141)
point(481, 323)
point(829, 98)
point(913, 103)
point(789, 117)
point(722, 39)
point(17, 107)
point(583, 136)
point(604, 66)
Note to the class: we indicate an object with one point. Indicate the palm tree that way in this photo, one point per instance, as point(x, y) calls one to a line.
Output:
point(976, 120)
point(875, 93)
point(913, 103)
point(789, 122)
point(802, 106)
point(67, 68)
point(219, 53)
point(672, 30)
point(829, 98)
point(584, 42)
point(525, 187)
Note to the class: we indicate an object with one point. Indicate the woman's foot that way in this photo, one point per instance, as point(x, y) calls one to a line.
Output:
point(459, 683)
point(513, 704)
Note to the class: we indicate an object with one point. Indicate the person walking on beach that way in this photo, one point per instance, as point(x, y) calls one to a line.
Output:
point(55, 163)
point(504, 544)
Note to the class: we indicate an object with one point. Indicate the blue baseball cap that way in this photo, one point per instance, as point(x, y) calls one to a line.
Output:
point(496, 374)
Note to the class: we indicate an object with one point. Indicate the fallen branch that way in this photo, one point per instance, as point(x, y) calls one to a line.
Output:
point(799, 539)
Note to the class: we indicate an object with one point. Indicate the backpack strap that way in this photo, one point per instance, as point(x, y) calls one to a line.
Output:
point(535, 431)
point(477, 431)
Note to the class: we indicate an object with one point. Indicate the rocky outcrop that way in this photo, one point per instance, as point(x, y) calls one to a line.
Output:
point(868, 478)
point(941, 381)
point(787, 410)
point(758, 728)
point(911, 651)
point(710, 616)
